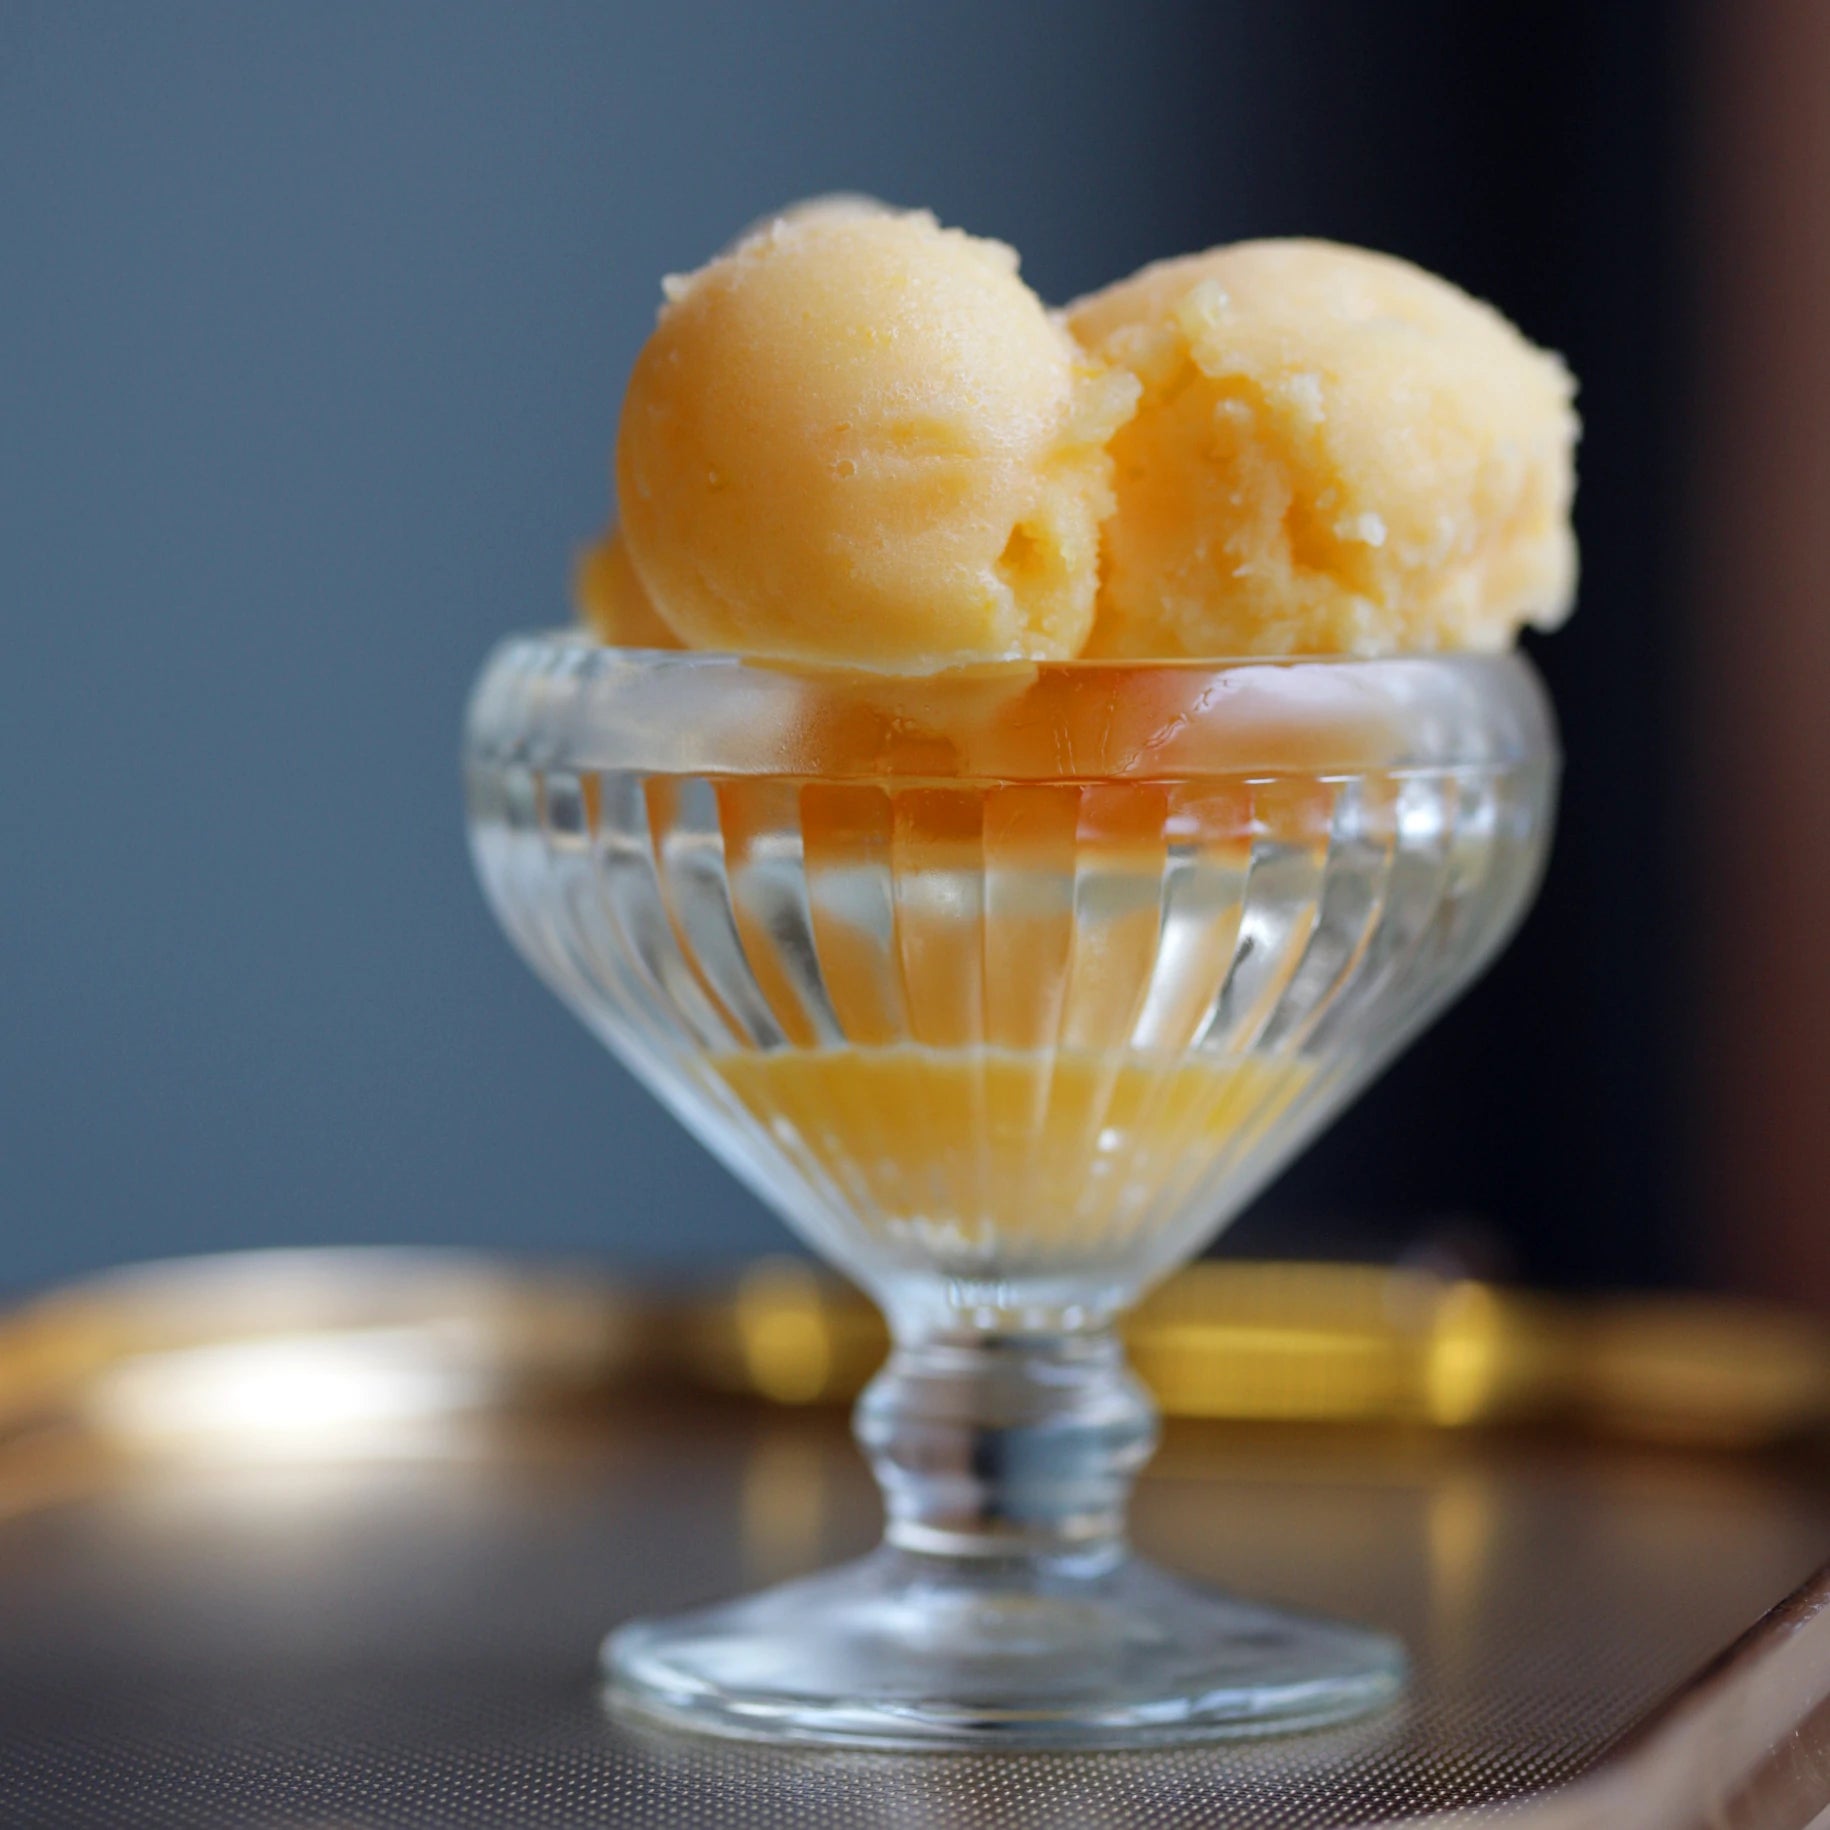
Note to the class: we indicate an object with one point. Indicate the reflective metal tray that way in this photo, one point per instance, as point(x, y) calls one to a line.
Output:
point(330, 1539)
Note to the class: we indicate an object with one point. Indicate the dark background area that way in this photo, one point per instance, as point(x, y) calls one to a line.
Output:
point(313, 327)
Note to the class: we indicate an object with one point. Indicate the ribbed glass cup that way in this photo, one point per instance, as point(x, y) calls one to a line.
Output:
point(1007, 989)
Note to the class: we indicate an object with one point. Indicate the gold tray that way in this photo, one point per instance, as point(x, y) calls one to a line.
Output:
point(329, 1539)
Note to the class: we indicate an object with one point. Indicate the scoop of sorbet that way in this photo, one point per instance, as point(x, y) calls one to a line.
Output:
point(1336, 452)
point(611, 601)
point(859, 439)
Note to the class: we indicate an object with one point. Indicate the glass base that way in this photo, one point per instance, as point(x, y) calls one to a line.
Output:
point(907, 1650)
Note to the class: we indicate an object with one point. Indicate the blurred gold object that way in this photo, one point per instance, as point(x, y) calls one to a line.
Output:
point(788, 1333)
point(1344, 1343)
point(1694, 1369)
point(1337, 1343)
point(303, 1353)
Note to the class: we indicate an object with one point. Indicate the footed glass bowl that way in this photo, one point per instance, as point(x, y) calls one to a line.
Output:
point(1006, 989)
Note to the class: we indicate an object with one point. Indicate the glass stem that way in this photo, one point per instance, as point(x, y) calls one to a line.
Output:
point(1007, 1445)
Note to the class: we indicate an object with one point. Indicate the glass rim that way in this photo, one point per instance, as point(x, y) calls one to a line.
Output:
point(570, 639)
point(562, 699)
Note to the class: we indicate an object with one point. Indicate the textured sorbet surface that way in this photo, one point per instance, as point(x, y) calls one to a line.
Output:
point(860, 439)
point(1336, 453)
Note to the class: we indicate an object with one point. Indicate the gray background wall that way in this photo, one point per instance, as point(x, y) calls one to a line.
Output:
point(313, 324)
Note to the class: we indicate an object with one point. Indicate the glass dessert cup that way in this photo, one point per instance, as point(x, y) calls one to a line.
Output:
point(1007, 989)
